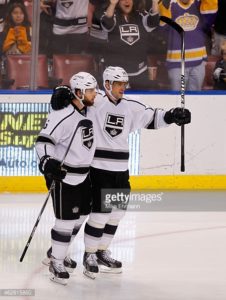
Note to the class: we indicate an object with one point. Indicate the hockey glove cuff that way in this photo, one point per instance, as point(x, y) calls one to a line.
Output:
point(51, 168)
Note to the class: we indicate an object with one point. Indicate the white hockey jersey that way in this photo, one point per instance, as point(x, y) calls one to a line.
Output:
point(71, 17)
point(114, 124)
point(56, 135)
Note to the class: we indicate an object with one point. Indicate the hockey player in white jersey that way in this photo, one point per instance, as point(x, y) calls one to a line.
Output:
point(71, 194)
point(116, 118)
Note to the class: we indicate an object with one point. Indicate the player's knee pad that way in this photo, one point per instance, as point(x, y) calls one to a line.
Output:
point(98, 220)
point(116, 216)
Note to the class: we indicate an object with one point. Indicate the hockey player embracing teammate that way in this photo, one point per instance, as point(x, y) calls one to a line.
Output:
point(115, 118)
point(68, 128)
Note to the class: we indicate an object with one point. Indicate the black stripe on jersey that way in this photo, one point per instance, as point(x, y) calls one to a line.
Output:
point(78, 170)
point(93, 231)
point(62, 121)
point(151, 125)
point(111, 154)
point(44, 139)
point(130, 100)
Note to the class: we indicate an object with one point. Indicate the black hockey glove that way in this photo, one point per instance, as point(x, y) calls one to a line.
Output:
point(51, 168)
point(178, 115)
point(61, 97)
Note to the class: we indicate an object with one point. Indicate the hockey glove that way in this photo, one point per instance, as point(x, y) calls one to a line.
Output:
point(51, 168)
point(61, 97)
point(178, 115)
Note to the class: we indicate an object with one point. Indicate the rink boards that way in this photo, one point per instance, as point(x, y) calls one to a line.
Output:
point(154, 154)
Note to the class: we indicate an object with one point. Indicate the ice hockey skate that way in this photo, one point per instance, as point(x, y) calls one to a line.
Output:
point(107, 264)
point(57, 270)
point(69, 263)
point(90, 265)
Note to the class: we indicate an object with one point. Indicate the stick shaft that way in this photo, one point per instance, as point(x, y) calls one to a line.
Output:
point(36, 223)
point(180, 30)
point(182, 167)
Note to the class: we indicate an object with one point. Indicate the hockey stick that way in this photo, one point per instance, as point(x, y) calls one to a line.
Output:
point(82, 123)
point(180, 30)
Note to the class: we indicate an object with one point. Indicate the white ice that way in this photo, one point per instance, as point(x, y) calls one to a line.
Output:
point(165, 255)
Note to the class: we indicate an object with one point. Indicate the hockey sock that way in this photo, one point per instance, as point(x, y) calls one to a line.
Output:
point(110, 229)
point(94, 229)
point(61, 236)
point(77, 226)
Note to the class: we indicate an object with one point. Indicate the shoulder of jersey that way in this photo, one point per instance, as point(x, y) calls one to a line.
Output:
point(99, 98)
point(61, 113)
point(133, 102)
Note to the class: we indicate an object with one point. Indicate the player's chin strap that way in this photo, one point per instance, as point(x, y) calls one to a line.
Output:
point(80, 99)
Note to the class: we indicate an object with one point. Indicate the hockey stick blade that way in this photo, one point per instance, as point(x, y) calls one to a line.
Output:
point(172, 23)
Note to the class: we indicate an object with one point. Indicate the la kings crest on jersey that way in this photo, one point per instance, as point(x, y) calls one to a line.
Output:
point(66, 3)
point(129, 33)
point(87, 137)
point(114, 124)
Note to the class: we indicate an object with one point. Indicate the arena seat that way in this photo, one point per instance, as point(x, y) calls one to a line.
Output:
point(65, 65)
point(18, 71)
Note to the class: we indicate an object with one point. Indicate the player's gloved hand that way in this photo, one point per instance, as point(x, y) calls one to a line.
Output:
point(178, 115)
point(61, 97)
point(51, 168)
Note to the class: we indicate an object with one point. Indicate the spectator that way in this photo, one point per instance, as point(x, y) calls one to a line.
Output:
point(219, 32)
point(16, 34)
point(3, 10)
point(97, 36)
point(48, 11)
point(128, 31)
point(194, 16)
point(219, 73)
point(70, 27)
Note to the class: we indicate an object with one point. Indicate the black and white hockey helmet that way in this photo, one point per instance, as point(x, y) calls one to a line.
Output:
point(115, 74)
point(83, 81)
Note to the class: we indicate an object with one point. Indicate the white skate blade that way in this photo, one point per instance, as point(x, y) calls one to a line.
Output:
point(62, 281)
point(90, 275)
point(46, 261)
point(105, 269)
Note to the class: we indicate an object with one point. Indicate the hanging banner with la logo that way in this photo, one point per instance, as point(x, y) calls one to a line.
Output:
point(114, 125)
point(129, 33)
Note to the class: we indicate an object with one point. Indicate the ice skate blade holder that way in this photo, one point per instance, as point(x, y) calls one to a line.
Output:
point(90, 275)
point(105, 269)
point(61, 281)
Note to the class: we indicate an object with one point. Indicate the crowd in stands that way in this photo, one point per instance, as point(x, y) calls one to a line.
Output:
point(89, 35)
